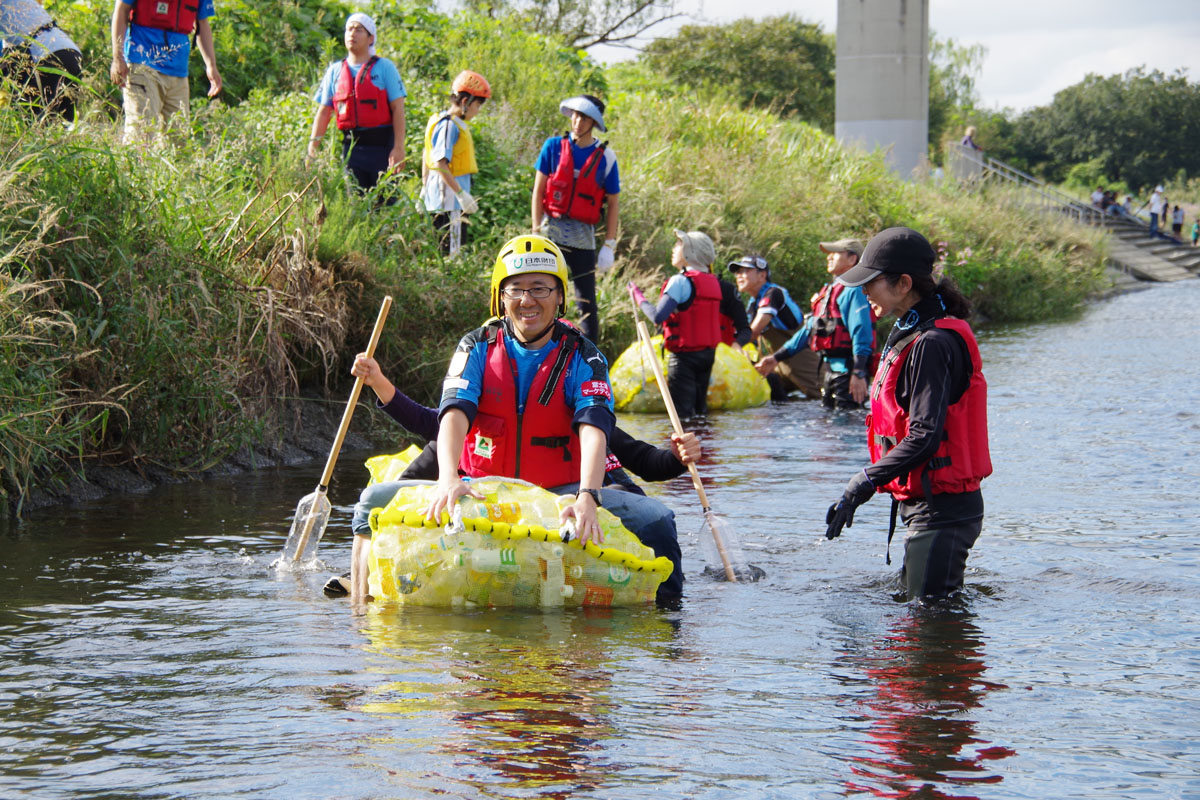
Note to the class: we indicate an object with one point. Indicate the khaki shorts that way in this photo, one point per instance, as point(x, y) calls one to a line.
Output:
point(802, 371)
point(151, 99)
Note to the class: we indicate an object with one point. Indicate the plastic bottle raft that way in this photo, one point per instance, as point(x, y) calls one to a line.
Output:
point(735, 383)
point(505, 551)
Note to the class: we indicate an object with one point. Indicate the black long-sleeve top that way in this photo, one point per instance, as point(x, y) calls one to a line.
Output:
point(935, 375)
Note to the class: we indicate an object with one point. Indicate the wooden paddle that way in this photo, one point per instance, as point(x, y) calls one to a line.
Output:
point(711, 521)
point(312, 512)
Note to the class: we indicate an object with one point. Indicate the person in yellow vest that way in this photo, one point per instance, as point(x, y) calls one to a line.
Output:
point(448, 162)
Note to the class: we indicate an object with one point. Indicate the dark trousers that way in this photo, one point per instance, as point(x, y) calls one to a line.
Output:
point(687, 380)
point(935, 559)
point(365, 154)
point(41, 85)
point(835, 389)
point(582, 264)
point(441, 225)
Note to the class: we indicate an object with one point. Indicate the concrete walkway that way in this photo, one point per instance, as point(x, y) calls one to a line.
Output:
point(1131, 249)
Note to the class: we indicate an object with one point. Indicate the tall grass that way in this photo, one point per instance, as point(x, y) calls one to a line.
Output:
point(160, 306)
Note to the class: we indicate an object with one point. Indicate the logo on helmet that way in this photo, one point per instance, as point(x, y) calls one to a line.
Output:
point(533, 261)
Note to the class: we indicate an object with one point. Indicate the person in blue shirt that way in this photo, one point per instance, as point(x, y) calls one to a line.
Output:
point(567, 201)
point(526, 396)
point(774, 316)
point(690, 313)
point(841, 330)
point(150, 46)
point(40, 59)
point(368, 107)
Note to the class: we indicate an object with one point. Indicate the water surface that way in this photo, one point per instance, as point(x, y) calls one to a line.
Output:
point(147, 651)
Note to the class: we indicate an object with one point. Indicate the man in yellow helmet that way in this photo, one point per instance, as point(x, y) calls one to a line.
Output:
point(527, 396)
point(448, 163)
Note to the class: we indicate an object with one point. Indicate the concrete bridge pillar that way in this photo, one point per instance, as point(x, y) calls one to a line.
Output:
point(882, 91)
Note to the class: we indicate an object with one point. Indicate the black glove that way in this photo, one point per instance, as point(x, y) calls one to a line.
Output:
point(841, 514)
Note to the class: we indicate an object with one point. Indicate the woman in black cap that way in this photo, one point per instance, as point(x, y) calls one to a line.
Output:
point(927, 430)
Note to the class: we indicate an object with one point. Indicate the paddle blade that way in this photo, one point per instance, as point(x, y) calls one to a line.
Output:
point(308, 526)
point(722, 551)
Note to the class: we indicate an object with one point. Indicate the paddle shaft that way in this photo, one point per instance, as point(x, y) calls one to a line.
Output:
point(327, 475)
point(648, 347)
point(358, 384)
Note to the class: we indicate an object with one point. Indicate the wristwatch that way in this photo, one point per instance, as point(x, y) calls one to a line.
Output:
point(594, 493)
point(860, 373)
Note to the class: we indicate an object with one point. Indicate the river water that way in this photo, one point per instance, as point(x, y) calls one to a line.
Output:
point(147, 650)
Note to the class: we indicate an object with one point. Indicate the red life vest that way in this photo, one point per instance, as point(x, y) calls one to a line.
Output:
point(830, 335)
point(578, 198)
point(166, 15)
point(540, 447)
point(696, 324)
point(962, 459)
point(359, 103)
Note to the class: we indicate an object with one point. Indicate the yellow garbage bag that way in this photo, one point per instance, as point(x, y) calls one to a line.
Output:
point(505, 551)
point(388, 467)
point(735, 383)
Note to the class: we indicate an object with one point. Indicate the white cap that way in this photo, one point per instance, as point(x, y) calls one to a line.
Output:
point(587, 106)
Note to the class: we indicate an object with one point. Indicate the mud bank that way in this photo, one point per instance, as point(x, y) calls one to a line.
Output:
point(303, 434)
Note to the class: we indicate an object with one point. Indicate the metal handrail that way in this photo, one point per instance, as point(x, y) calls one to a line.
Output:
point(1048, 197)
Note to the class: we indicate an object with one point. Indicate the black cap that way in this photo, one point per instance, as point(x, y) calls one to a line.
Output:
point(899, 251)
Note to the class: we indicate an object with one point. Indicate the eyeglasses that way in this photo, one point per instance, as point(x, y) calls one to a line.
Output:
point(537, 292)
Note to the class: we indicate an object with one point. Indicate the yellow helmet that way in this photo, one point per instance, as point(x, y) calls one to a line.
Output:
point(524, 254)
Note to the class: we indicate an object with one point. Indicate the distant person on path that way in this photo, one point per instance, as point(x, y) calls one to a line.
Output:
point(575, 176)
point(1177, 222)
point(775, 317)
point(1195, 232)
point(366, 96)
point(968, 139)
point(34, 47)
point(1098, 197)
point(927, 431)
point(150, 48)
point(448, 164)
point(841, 330)
point(1157, 205)
point(689, 310)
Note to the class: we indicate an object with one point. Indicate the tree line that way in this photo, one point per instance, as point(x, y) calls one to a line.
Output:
point(1136, 129)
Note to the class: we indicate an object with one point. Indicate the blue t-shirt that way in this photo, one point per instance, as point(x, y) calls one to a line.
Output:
point(164, 51)
point(607, 174)
point(20, 18)
point(383, 76)
point(571, 232)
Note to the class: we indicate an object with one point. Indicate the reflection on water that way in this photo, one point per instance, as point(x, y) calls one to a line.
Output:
point(925, 681)
point(527, 697)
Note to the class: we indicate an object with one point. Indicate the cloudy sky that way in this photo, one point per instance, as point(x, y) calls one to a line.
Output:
point(1034, 47)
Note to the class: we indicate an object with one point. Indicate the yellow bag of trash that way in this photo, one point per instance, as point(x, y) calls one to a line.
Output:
point(388, 467)
point(735, 383)
point(505, 551)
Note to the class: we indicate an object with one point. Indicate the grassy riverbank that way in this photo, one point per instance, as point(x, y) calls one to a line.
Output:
point(160, 307)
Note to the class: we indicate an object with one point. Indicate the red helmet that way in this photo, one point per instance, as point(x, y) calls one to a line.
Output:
point(472, 83)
